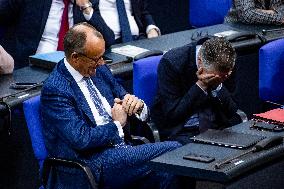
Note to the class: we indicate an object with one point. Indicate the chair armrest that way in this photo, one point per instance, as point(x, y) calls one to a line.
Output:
point(154, 131)
point(242, 115)
point(53, 162)
point(139, 139)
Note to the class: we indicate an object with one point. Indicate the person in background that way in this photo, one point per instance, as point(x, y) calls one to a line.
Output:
point(39, 26)
point(128, 19)
point(6, 62)
point(191, 97)
point(257, 12)
point(84, 111)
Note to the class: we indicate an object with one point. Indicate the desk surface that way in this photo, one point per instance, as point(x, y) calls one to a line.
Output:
point(27, 74)
point(173, 161)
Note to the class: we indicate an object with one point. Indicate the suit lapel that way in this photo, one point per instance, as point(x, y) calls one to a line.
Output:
point(102, 87)
point(79, 96)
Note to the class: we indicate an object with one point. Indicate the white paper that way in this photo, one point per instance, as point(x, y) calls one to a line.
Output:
point(226, 33)
point(129, 50)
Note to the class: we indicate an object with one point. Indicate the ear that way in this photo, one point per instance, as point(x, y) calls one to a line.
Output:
point(199, 62)
point(74, 56)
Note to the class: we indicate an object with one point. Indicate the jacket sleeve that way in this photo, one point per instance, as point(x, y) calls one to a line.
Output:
point(9, 9)
point(175, 105)
point(228, 105)
point(248, 13)
point(147, 18)
point(60, 115)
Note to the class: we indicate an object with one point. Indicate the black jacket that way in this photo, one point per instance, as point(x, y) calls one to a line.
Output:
point(178, 96)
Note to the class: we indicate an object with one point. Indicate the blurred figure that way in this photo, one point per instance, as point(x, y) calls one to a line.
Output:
point(39, 26)
point(128, 19)
point(257, 12)
point(6, 62)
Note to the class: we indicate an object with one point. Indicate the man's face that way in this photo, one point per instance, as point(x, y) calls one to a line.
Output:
point(87, 63)
point(222, 75)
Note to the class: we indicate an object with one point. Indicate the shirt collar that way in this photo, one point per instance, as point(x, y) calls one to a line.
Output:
point(75, 74)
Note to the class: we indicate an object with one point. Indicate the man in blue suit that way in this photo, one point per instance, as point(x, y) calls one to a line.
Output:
point(35, 26)
point(84, 110)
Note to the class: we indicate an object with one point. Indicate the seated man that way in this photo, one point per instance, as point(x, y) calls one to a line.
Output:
point(128, 19)
point(33, 27)
point(191, 97)
point(257, 12)
point(84, 110)
point(6, 62)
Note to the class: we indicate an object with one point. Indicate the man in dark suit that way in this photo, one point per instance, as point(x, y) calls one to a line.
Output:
point(141, 23)
point(83, 112)
point(36, 26)
point(191, 97)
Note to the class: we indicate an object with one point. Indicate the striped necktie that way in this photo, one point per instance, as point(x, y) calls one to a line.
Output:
point(96, 99)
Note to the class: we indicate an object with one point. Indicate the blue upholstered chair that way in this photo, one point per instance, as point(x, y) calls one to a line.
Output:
point(208, 12)
point(271, 72)
point(145, 84)
point(32, 114)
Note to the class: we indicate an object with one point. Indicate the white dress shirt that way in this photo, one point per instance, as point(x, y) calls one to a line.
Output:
point(109, 13)
point(100, 120)
point(49, 38)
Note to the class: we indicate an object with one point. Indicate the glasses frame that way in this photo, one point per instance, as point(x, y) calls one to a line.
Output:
point(93, 60)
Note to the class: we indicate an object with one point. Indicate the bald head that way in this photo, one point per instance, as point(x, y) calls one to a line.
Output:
point(78, 36)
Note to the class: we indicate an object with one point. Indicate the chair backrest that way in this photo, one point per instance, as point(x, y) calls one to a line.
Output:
point(145, 78)
point(271, 71)
point(208, 12)
point(33, 119)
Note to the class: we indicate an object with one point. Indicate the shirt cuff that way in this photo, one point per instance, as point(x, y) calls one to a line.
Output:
point(214, 92)
point(88, 16)
point(153, 27)
point(144, 114)
point(119, 128)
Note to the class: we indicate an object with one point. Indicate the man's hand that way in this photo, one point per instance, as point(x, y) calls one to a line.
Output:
point(81, 3)
point(206, 80)
point(118, 114)
point(130, 103)
point(152, 33)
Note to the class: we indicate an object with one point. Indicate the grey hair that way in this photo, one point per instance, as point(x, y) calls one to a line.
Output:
point(218, 54)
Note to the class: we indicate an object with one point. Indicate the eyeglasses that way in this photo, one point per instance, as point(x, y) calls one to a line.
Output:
point(97, 60)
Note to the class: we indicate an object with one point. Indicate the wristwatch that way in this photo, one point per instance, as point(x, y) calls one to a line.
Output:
point(85, 6)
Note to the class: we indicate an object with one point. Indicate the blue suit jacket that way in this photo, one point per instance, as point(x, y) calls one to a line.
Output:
point(70, 132)
point(24, 22)
point(69, 127)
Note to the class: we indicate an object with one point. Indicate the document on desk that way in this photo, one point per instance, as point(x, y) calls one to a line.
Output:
point(129, 50)
point(226, 33)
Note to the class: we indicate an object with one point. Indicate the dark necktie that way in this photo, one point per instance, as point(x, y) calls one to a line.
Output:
point(96, 99)
point(267, 4)
point(64, 26)
point(126, 35)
